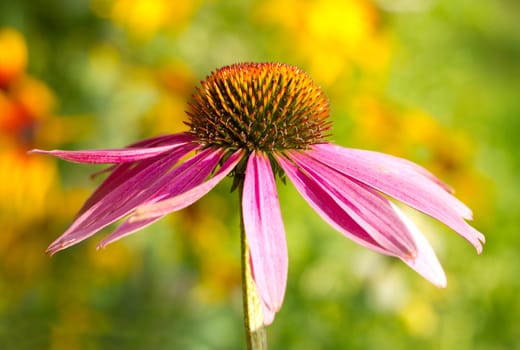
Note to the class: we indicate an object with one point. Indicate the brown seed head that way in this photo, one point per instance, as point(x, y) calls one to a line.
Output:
point(259, 106)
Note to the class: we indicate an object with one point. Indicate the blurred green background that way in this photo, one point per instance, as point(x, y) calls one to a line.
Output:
point(433, 81)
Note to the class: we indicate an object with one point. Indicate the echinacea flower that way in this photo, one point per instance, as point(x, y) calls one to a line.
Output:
point(257, 121)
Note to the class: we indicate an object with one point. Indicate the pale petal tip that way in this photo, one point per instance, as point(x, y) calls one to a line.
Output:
point(439, 280)
point(429, 268)
point(52, 249)
point(478, 240)
point(60, 244)
point(51, 152)
point(105, 242)
point(268, 317)
point(481, 238)
point(50, 253)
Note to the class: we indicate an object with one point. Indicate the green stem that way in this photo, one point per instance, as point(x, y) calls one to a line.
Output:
point(256, 338)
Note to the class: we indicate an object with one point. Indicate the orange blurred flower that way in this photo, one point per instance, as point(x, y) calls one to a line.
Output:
point(24, 103)
point(24, 100)
point(26, 183)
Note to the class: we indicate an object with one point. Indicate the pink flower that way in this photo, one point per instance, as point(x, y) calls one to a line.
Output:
point(256, 122)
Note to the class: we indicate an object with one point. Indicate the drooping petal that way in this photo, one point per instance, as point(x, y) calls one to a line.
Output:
point(329, 207)
point(184, 199)
point(385, 170)
point(397, 178)
point(188, 182)
point(125, 229)
point(121, 173)
point(131, 182)
point(131, 192)
point(425, 261)
point(265, 233)
point(369, 209)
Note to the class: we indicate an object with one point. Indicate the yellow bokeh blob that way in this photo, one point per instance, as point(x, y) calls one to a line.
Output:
point(420, 318)
point(144, 18)
point(26, 183)
point(330, 36)
point(13, 55)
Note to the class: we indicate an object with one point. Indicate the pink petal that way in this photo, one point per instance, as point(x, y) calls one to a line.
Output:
point(133, 182)
point(398, 179)
point(326, 203)
point(103, 156)
point(133, 191)
point(370, 210)
point(189, 180)
point(425, 262)
point(265, 233)
point(138, 151)
point(268, 314)
point(150, 211)
point(121, 173)
point(385, 169)
point(329, 207)
point(125, 229)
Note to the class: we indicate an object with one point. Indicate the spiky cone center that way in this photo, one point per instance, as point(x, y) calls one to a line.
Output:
point(259, 106)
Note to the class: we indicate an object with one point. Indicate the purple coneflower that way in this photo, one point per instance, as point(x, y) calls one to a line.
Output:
point(257, 121)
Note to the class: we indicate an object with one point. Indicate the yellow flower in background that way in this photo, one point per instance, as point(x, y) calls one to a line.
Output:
point(174, 84)
point(27, 187)
point(26, 182)
point(144, 18)
point(331, 37)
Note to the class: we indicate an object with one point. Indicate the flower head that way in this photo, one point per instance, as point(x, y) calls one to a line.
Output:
point(259, 107)
point(255, 121)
